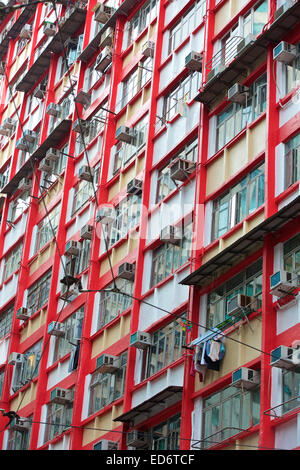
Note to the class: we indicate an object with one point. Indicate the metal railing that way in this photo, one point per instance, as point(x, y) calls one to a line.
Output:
point(225, 55)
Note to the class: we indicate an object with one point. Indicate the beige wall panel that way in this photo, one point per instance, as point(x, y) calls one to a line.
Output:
point(224, 243)
point(97, 345)
point(215, 175)
point(33, 325)
point(228, 11)
point(42, 257)
point(105, 422)
point(52, 192)
point(236, 354)
point(128, 58)
point(257, 139)
point(24, 398)
point(20, 59)
point(254, 222)
point(134, 108)
point(210, 254)
point(236, 157)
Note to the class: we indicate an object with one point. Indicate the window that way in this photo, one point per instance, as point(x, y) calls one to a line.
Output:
point(291, 254)
point(12, 262)
point(73, 330)
point(165, 184)
point(126, 217)
point(168, 257)
point(143, 18)
point(184, 91)
point(19, 440)
point(124, 151)
point(166, 436)
point(228, 412)
point(292, 161)
point(238, 202)
point(28, 369)
point(166, 347)
point(106, 388)
point(47, 228)
point(58, 167)
point(113, 304)
point(6, 318)
point(136, 80)
point(235, 116)
point(59, 418)
point(186, 25)
point(18, 206)
point(251, 23)
point(293, 72)
point(38, 293)
point(248, 282)
point(83, 192)
point(73, 49)
point(89, 132)
point(4, 177)
point(291, 390)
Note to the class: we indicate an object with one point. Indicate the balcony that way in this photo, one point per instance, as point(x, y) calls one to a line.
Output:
point(15, 29)
point(56, 134)
point(93, 46)
point(243, 247)
point(68, 25)
point(240, 56)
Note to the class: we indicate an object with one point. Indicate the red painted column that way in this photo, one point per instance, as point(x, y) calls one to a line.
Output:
point(144, 212)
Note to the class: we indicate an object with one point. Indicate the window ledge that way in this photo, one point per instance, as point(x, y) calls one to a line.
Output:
point(103, 411)
point(158, 374)
point(287, 192)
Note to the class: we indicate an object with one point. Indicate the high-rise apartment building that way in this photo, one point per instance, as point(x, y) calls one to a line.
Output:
point(150, 224)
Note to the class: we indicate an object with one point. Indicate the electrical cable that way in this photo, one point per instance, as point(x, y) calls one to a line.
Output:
point(145, 434)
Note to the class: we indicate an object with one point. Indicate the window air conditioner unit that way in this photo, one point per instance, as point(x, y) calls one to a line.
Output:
point(86, 232)
point(125, 134)
point(84, 98)
point(9, 123)
point(56, 329)
point(193, 61)
point(104, 444)
point(245, 43)
point(40, 91)
point(135, 186)
point(22, 144)
point(136, 439)
point(104, 59)
point(105, 215)
point(46, 165)
point(72, 248)
point(24, 184)
point(284, 357)
point(237, 93)
point(140, 340)
point(30, 136)
point(49, 29)
point(106, 38)
point(245, 378)
point(282, 283)
point(171, 234)
point(180, 169)
point(23, 313)
point(68, 291)
point(5, 131)
point(62, 396)
point(20, 424)
point(53, 109)
point(239, 302)
point(103, 13)
point(53, 154)
point(215, 72)
point(15, 358)
point(284, 52)
point(107, 364)
point(148, 49)
point(26, 31)
point(126, 271)
point(86, 173)
point(281, 10)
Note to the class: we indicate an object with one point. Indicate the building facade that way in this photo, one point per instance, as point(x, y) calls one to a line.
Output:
point(150, 230)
